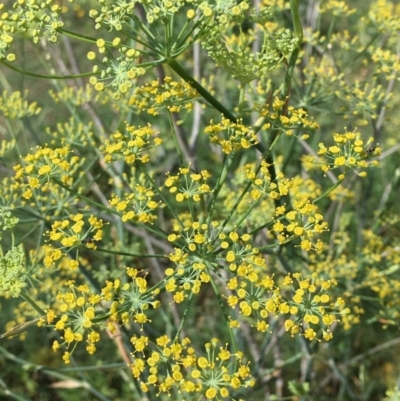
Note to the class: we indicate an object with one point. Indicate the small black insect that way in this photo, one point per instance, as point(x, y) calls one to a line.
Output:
point(87, 240)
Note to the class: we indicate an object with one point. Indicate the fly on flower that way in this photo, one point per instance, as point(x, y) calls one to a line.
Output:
point(374, 150)
point(89, 242)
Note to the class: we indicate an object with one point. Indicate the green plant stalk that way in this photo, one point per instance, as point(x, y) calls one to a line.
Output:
point(180, 41)
point(80, 37)
point(235, 206)
point(35, 306)
point(327, 192)
point(144, 28)
point(248, 211)
point(163, 198)
point(174, 136)
point(223, 309)
point(31, 74)
point(298, 29)
point(185, 313)
point(139, 39)
point(256, 230)
point(227, 162)
point(201, 90)
point(134, 255)
point(159, 232)
point(241, 98)
point(85, 198)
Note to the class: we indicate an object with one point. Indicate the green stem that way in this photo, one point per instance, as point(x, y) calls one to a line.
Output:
point(78, 36)
point(31, 74)
point(156, 230)
point(298, 29)
point(241, 98)
point(235, 206)
point(134, 255)
point(223, 308)
point(183, 318)
point(35, 306)
point(220, 182)
point(175, 138)
point(85, 198)
point(201, 90)
point(163, 198)
point(180, 41)
point(327, 192)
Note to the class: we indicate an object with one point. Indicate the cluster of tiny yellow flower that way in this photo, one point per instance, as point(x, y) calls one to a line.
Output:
point(133, 146)
point(204, 248)
point(74, 133)
point(173, 365)
point(75, 315)
point(40, 18)
point(363, 99)
point(328, 83)
point(130, 300)
point(79, 311)
point(154, 97)
point(191, 271)
point(349, 152)
point(258, 296)
point(188, 185)
point(384, 15)
point(45, 165)
point(139, 205)
point(13, 106)
point(76, 96)
point(293, 119)
point(310, 306)
point(336, 8)
point(305, 188)
point(262, 182)
point(71, 233)
point(302, 222)
point(388, 62)
point(231, 136)
point(6, 146)
point(121, 70)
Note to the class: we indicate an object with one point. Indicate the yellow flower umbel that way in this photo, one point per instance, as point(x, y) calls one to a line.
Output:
point(71, 233)
point(350, 152)
point(231, 136)
point(311, 307)
point(76, 316)
point(47, 164)
point(175, 366)
point(154, 96)
point(188, 185)
point(133, 146)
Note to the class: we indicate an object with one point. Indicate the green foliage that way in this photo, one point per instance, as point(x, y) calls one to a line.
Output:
point(198, 200)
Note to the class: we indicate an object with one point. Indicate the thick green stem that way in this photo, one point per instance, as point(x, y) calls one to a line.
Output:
point(201, 90)
point(298, 29)
point(35, 306)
